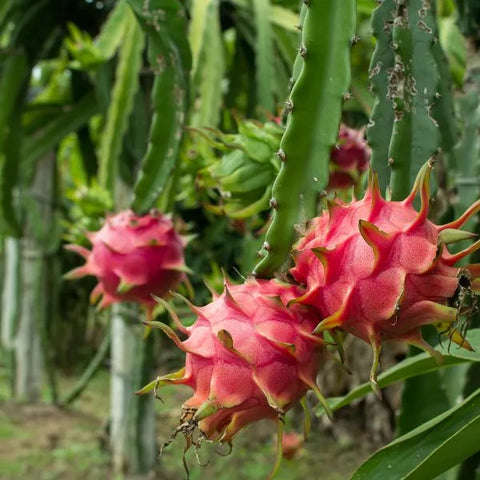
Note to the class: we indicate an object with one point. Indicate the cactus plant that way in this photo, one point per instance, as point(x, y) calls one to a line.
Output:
point(312, 124)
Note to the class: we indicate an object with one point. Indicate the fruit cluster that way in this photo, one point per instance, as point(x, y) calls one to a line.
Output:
point(377, 269)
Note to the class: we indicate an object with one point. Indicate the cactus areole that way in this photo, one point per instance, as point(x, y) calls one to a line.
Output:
point(380, 270)
point(133, 257)
point(248, 357)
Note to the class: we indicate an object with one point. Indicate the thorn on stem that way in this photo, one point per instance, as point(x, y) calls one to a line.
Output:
point(355, 39)
point(281, 155)
point(303, 51)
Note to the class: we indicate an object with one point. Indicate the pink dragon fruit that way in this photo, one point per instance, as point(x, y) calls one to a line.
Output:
point(248, 357)
point(349, 160)
point(133, 258)
point(291, 445)
point(380, 270)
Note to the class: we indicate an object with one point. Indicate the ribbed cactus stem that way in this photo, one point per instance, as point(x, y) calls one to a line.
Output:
point(314, 109)
point(413, 89)
point(164, 22)
point(380, 127)
point(443, 110)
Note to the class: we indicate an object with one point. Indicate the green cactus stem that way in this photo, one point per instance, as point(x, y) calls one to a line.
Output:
point(469, 18)
point(443, 109)
point(314, 109)
point(13, 88)
point(413, 89)
point(380, 127)
point(164, 22)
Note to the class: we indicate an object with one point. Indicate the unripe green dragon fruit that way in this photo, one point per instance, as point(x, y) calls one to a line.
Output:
point(248, 357)
point(133, 258)
point(380, 270)
point(244, 174)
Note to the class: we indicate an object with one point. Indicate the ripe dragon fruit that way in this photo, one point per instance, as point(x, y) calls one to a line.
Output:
point(133, 258)
point(291, 445)
point(248, 357)
point(380, 270)
point(349, 159)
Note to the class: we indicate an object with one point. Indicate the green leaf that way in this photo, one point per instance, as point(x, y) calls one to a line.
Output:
point(121, 104)
point(413, 366)
point(423, 397)
point(430, 449)
point(45, 139)
point(12, 93)
point(426, 396)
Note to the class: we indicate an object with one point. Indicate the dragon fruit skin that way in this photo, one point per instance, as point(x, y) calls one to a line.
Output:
point(349, 159)
point(248, 357)
point(380, 270)
point(133, 258)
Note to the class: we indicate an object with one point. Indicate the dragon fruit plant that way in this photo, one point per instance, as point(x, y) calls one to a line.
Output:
point(244, 174)
point(380, 270)
point(240, 181)
point(248, 357)
point(377, 269)
point(133, 258)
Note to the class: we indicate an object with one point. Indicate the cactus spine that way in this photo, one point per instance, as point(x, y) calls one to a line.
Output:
point(314, 109)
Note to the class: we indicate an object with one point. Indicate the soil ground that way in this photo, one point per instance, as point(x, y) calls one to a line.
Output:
point(43, 442)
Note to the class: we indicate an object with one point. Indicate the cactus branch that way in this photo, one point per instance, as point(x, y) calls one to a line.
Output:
point(380, 127)
point(314, 109)
point(164, 22)
point(413, 89)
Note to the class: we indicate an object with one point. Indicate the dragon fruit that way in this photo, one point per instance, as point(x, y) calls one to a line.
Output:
point(349, 159)
point(291, 445)
point(248, 357)
point(380, 270)
point(133, 258)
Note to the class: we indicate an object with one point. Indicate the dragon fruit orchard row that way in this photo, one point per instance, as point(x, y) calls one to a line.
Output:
point(376, 269)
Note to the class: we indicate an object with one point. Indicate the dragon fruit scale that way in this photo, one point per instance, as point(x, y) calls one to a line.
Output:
point(133, 258)
point(248, 357)
point(380, 270)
